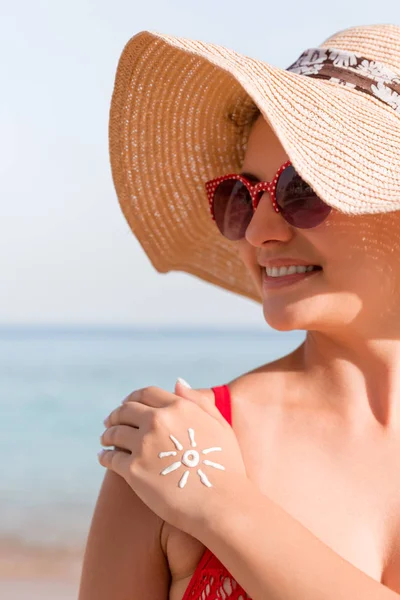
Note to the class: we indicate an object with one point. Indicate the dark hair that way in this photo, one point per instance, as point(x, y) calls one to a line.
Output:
point(244, 115)
point(241, 115)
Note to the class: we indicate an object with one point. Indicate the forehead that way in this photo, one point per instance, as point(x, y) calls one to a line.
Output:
point(264, 152)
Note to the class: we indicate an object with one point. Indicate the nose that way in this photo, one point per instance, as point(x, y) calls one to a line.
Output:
point(266, 224)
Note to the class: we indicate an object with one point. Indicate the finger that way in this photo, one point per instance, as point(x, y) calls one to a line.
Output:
point(130, 413)
point(201, 400)
point(151, 396)
point(116, 461)
point(121, 436)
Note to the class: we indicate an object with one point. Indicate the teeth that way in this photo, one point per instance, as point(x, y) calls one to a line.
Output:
point(281, 271)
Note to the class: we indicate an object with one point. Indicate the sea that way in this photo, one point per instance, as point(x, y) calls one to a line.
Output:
point(57, 384)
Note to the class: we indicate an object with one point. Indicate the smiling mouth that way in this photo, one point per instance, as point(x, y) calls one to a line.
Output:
point(307, 268)
point(269, 281)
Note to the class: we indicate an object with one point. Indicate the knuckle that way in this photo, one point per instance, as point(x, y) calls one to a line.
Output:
point(148, 392)
point(181, 404)
point(126, 399)
point(152, 389)
point(155, 419)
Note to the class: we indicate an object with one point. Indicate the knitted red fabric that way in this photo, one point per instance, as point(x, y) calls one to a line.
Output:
point(211, 579)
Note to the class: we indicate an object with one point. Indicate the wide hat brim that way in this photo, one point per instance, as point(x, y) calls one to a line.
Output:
point(178, 118)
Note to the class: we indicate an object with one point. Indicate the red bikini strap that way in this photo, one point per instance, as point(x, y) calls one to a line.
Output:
point(223, 401)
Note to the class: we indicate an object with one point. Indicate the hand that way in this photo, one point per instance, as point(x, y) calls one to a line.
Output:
point(162, 444)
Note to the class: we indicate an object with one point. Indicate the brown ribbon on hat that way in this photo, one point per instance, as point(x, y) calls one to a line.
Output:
point(352, 70)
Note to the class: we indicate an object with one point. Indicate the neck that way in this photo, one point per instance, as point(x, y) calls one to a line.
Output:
point(360, 378)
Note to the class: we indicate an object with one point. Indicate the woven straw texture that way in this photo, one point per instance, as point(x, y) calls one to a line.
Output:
point(181, 113)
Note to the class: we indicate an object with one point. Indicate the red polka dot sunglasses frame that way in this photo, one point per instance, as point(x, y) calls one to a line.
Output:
point(303, 215)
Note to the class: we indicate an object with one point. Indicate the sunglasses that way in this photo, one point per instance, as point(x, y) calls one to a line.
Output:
point(234, 198)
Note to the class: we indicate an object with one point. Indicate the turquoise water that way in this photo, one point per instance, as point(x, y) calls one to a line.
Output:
point(56, 387)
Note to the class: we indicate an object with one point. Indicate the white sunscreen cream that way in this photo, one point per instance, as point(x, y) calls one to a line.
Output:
point(191, 459)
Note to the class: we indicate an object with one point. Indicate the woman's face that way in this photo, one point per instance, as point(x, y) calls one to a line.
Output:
point(359, 255)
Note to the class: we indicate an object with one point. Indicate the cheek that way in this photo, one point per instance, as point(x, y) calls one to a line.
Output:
point(340, 241)
point(247, 253)
point(359, 251)
point(248, 256)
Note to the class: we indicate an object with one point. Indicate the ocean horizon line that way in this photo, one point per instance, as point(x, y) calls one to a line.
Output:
point(51, 329)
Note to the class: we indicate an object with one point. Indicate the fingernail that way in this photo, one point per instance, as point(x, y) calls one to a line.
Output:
point(100, 453)
point(183, 382)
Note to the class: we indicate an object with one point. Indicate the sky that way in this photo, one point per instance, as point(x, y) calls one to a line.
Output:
point(67, 255)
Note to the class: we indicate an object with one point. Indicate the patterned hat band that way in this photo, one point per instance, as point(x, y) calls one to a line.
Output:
point(352, 70)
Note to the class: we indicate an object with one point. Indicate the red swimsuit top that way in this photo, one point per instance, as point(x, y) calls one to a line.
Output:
point(211, 579)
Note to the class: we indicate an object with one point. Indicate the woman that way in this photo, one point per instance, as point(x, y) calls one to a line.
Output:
point(298, 494)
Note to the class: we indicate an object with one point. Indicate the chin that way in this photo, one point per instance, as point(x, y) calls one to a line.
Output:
point(283, 319)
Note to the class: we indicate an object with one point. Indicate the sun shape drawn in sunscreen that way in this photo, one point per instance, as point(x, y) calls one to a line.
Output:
point(190, 458)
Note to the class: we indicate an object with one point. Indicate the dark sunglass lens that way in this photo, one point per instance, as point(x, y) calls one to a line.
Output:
point(298, 202)
point(232, 208)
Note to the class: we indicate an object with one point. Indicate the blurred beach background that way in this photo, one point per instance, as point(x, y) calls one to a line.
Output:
point(56, 387)
point(84, 317)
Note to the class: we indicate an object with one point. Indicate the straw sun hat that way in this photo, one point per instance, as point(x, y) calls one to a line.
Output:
point(181, 112)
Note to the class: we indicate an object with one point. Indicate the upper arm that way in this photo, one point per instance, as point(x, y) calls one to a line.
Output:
point(124, 558)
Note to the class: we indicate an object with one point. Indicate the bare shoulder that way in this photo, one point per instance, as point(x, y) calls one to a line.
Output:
point(183, 551)
point(273, 376)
